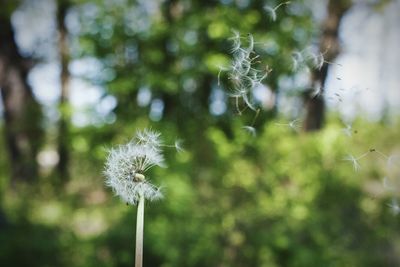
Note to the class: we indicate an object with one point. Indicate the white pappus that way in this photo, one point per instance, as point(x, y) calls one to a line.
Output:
point(126, 164)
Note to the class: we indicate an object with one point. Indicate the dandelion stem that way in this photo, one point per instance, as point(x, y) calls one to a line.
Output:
point(139, 232)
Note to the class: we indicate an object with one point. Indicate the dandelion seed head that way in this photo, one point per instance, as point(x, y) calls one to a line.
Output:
point(126, 164)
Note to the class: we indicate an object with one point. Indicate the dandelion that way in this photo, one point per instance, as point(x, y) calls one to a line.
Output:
point(126, 164)
point(124, 171)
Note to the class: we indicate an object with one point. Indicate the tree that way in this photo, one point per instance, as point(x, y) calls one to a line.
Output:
point(329, 47)
point(22, 113)
point(63, 129)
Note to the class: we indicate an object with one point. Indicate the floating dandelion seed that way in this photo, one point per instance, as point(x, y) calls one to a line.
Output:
point(348, 130)
point(272, 10)
point(221, 69)
point(236, 41)
point(391, 160)
point(388, 185)
point(317, 92)
point(249, 103)
point(250, 129)
point(394, 206)
point(319, 61)
point(250, 48)
point(335, 96)
point(307, 57)
point(297, 59)
point(380, 153)
point(126, 165)
point(236, 96)
point(242, 73)
point(294, 124)
point(316, 60)
point(354, 161)
point(377, 152)
point(178, 145)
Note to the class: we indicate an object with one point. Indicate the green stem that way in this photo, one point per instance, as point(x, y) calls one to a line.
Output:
point(139, 233)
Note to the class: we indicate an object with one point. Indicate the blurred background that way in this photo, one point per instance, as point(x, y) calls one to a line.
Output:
point(311, 178)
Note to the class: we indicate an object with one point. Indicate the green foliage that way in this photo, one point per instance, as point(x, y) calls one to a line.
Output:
point(281, 199)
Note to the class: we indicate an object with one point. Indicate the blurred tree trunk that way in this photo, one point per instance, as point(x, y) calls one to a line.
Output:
point(63, 126)
point(329, 46)
point(22, 113)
